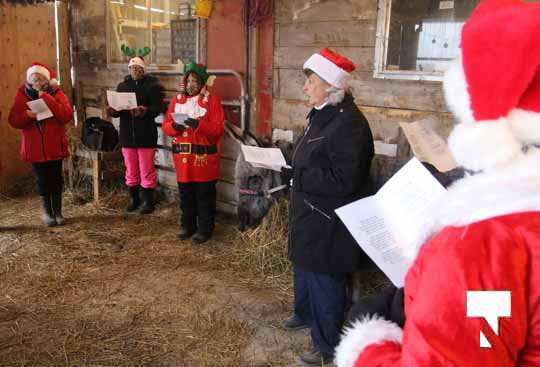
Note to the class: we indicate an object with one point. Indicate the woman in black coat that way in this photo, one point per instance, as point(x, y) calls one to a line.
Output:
point(138, 134)
point(331, 163)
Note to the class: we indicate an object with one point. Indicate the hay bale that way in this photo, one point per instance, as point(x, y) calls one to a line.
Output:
point(263, 250)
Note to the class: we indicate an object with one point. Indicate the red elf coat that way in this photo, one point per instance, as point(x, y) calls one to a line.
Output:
point(207, 109)
point(47, 140)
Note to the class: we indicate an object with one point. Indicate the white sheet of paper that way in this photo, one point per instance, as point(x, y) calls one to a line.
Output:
point(382, 148)
point(122, 100)
point(427, 146)
point(388, 224)
point(40, 108)
point(179, 118)
point(269, 158)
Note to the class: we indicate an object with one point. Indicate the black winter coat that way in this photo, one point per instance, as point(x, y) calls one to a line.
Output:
point(140, 132)
point(331, 165)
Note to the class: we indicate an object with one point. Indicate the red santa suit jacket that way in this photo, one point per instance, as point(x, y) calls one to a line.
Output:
point(46, 140)
point(207, 109)
point(488, 240)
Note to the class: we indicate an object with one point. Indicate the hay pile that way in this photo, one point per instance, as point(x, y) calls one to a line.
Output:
point(263, 250)
point(107, 290)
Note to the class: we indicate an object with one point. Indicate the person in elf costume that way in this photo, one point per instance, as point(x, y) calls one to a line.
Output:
point(485, 234)
point(196, 150)
point(138, 133)
point(44, 140)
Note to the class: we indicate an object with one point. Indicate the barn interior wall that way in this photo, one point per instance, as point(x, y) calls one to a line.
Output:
point(349, 27)
point(226, 49)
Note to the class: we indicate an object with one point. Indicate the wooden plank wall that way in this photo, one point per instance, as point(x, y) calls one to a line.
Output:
point(93, 78)
point(27, 34)
point(349, 27)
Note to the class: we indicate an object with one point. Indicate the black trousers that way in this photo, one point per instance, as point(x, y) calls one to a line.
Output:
point(49, 179)
point(198, 205)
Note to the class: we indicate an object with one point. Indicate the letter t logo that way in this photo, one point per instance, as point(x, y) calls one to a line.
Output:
point(490, 305)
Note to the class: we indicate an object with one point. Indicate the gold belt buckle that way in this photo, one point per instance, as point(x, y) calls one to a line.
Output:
point(189, 148)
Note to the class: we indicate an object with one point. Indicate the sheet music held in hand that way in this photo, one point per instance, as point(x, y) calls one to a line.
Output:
point(389, 224)
point(269, 158)
point(427, 146)
point(40, 108)
point(179, 118)
point(121, 100)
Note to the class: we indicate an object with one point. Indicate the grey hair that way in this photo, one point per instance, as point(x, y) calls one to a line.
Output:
point(336, 95)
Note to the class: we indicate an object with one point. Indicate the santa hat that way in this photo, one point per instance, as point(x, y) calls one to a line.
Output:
point(331, 67)
point(494, 86)
point(137, 61)
point(42, 69)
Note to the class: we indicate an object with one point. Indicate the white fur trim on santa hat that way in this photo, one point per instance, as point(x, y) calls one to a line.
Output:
point(525, 125)
point(456, 91)
point(484, 145)
point(327, 70)
point(369, 330)
point(37, 69)
point(137, 61)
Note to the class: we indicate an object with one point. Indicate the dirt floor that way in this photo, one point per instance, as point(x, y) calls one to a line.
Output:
point(110, 289)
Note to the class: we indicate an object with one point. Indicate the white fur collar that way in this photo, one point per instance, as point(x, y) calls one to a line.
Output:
point(511, 189)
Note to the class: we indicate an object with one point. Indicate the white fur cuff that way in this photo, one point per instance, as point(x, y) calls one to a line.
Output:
point(484, 145)
point(369, 330)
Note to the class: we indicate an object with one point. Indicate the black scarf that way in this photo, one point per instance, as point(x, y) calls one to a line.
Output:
point(33, 94)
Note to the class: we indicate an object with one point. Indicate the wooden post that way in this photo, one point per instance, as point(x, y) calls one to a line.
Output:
point(96, 175)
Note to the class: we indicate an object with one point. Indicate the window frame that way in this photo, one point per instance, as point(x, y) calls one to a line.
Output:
point(384, 13)
point(200, 43)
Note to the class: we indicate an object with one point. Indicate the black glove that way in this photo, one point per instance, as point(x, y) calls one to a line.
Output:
point(286, 175)
point(178, 127)
point(193, 123)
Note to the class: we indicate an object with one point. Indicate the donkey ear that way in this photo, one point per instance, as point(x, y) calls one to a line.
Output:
point(210, 81)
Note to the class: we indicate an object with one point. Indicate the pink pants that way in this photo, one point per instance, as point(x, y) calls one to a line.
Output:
point(140, 169)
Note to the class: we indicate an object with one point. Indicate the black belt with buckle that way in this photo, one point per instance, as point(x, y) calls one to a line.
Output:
point(188, 148)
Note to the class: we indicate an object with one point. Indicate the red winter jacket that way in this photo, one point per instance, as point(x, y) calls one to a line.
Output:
point(48, 140)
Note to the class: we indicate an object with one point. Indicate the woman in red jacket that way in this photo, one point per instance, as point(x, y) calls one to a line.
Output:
point(44, 140)
point(196, 152)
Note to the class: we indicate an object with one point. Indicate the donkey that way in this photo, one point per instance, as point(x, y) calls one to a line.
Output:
point(256, 194)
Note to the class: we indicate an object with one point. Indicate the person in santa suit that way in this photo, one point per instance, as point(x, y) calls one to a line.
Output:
point(138, 134)
point(44, 141)
point(196, 151)
point(484, 236)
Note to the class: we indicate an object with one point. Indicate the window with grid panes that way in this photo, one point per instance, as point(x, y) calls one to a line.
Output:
point(168, 27)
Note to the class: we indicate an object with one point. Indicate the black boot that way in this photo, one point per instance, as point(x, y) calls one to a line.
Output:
point(57, 207)
point(134, 199)
point(200, 238)
point(185, 233)
point(47, 213)
point(148, 201)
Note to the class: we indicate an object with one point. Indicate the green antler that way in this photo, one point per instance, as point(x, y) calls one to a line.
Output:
point(127, 51)
point(144, 51)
